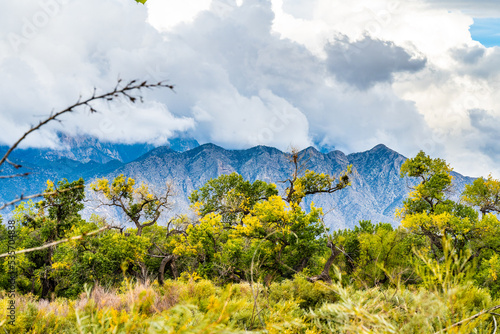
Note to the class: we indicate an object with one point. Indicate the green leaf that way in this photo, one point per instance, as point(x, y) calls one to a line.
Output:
point(141, 1)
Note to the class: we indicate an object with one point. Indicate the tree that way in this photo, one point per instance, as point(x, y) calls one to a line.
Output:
point(140, 205)
point(246, 227)
point(313, 183)
point(231, 196)
point(274, 239)
point(163, 242)
point(484, 194)
point(101, 260)
point(50, 219)
point(427, 211)
point(376, 254)
point(435, 183)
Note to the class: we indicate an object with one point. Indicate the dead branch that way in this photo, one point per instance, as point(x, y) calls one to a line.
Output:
point(23, 198)
point(125, 92)
point(13, 176)
point(56, 242)
point(477, 315)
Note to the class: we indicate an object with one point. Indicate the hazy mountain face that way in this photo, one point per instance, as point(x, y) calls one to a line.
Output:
point(375, 193)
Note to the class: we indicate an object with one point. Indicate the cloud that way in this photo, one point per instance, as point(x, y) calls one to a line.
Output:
point(366, 62)
point(166, 14)
point(468, 55)
point(405, 74)
point(475, 8)
point(48, 57)
point(236, 57)
point(487, 125)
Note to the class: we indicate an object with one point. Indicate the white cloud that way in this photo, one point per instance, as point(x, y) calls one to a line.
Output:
point(166, 14)
point(274, 72)
point(475, 8)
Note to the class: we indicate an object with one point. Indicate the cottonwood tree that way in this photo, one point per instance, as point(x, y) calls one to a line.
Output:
point(315, 183)
point(143, 207)
point(484, 194)
point(140, 205)
point(163, 242)
point(51, 219)
point(246, 230)
point(230, 196)
point(429, 212)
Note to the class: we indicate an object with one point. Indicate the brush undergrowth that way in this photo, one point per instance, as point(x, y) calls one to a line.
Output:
point(444, 297)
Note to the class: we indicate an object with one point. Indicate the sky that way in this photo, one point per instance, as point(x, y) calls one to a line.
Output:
point(413, 74)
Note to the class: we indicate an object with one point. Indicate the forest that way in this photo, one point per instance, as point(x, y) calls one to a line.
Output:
point(253, 260)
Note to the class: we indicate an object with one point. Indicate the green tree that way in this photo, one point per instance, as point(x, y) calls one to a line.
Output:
point(44, 222)
point(247, 225)
point(376, 254)
point(231, 196)
point(435, 183)
point(427, 211)
point(484, 194)
point(311, 182)
point(100, 260)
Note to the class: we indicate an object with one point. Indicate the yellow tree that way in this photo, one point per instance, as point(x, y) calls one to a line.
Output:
point(243, 223)
point(141, 206)
point(484, 194)
point(427, 211)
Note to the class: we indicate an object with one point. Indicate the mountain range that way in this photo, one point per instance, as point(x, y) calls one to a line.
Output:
point(375, 193)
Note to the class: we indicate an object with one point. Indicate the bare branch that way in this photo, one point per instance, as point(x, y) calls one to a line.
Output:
point(16, 166)
point(477, 315)
point(115, 93)
point(23, 198)
point(56, 242)
point(13, 176)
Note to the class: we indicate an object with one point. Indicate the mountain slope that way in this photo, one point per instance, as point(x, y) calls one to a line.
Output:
point(375, 193)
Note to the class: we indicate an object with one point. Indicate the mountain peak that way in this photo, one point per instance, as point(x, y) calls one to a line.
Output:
point(382, 149)
point(263, 148)
point(210, 146)
point(311, 149)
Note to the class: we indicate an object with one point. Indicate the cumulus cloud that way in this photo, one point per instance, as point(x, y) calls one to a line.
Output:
point(476, 8)
point(405, 74)
point(50, 55)
point(468, 55)
point(487, 125)
point(366, 62)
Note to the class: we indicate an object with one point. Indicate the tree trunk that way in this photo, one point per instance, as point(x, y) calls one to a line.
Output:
point(173, 267)
point(302, 264)
point(325, 274)
point(161, 271)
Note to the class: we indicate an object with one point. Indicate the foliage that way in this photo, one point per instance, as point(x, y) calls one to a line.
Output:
point(139, 204)
point(484, 194)
point(246, 263)
point(53, 218)
point(435, 181)
point(230, 196)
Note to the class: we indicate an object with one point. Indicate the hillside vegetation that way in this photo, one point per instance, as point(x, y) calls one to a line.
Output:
point(253, 260)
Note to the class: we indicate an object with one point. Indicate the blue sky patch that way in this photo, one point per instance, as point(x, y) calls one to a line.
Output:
point(486, 31)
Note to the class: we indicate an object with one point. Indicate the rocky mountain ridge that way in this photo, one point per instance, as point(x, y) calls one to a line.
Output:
point(375, 193)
